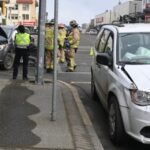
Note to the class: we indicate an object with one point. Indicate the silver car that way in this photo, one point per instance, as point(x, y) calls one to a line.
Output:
point(121, 79)
point(7, 46)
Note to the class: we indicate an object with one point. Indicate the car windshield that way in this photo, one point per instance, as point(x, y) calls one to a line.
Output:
point(7, 31)
point(134, 48)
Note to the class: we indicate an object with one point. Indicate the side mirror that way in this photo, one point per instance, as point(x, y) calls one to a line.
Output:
point(104, 59)
point(32, 40)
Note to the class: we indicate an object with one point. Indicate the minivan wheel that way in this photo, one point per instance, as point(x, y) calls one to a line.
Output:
point(8, 61)
point(116, 128)
point(93, 89)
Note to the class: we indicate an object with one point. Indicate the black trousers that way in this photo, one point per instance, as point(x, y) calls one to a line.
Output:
point(21, 53)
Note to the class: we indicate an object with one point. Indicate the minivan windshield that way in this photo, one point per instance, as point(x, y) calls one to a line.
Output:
point(8, 31)
point(134, 48)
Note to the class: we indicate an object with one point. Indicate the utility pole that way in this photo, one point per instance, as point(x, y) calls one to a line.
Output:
point(41, 37)
point(53, 114)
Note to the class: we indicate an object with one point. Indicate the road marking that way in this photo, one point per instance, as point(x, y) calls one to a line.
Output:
point(72, 82)
point(87, 73)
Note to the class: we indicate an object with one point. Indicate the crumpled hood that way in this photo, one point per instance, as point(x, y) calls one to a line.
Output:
point(3, 33)
point(140, 74)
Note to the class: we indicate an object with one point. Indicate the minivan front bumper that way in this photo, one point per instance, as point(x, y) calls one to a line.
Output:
point(137, 122)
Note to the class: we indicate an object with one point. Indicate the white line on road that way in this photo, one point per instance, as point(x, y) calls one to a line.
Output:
point(80, 82)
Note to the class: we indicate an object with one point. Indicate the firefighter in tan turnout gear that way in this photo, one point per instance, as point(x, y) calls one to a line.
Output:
point(61, 39)
point(49, 45)
point(74, 39)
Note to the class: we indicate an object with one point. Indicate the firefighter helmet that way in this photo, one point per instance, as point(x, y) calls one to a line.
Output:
point(73, 23)
point(61, 25)
point(51, 22)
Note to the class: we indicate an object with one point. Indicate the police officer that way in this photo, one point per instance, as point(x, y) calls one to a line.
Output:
point(49, 45)
point(74, 39)
point(22, 42)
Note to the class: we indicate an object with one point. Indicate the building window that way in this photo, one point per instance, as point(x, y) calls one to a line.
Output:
point(15, 7)
point(25, 17)
point(25, 7)
point(14, 16)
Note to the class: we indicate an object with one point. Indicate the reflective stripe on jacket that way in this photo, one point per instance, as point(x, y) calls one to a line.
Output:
point(22, 40)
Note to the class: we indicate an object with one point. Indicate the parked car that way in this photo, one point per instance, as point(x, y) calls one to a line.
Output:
point(120, 77)
point(7, 47)
point(93, 31)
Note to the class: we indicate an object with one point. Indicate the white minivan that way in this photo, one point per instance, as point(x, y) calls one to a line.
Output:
point(120, 79)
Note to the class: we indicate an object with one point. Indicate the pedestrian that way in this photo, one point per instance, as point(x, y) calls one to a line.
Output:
point(74, 39)
point(22, 42)
point(49, 46)
point(61, 39)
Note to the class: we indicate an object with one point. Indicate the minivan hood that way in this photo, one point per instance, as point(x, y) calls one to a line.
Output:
point(140, 74)
point(3, 33)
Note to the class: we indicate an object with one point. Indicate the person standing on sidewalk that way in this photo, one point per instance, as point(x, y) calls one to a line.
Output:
point(49, 46)
point(74, 39)
point(61, 39)
point(22, 42)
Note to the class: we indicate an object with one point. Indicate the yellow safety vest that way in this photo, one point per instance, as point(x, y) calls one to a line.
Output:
point(22, 40)
point(49, 39)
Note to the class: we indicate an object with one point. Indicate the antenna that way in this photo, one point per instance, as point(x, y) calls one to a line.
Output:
point(119, 2)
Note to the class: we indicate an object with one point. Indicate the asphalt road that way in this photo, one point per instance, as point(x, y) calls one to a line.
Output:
point(81, 80)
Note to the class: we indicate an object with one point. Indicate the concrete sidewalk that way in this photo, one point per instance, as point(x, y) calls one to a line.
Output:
point(26, 124)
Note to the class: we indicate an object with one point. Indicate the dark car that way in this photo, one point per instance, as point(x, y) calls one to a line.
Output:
point(7, 47)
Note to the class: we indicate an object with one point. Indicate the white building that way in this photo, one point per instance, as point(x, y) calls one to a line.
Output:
point(22, 12)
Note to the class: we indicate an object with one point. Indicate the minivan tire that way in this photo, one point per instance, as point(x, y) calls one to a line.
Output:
point(116, 128)
point(8, 61)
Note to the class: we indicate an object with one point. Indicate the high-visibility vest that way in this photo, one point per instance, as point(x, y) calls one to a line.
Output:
point(22, 40)
point(71, 39)
point(49, 39)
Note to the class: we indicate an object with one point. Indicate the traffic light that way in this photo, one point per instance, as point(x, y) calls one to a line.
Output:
point(3, 6)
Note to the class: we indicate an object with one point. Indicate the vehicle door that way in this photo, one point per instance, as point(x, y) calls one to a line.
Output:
point(105, 46)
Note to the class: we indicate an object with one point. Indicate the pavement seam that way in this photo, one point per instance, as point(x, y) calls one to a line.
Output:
point(86, 120)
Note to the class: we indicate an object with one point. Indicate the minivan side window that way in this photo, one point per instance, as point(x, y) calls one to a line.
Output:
point(109, 44)
point(103, 41)
point(98, 39)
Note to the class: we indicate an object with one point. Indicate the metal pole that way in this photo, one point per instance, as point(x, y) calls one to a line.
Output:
point(41, 35)
point(53, 115)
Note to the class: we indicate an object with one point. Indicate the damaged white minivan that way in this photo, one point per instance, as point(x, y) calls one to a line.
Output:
point(120, 79)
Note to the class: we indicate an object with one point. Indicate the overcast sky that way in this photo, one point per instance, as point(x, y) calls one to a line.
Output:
point(80, 10)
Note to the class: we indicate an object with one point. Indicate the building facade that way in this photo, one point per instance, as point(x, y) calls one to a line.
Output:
point(22, 12)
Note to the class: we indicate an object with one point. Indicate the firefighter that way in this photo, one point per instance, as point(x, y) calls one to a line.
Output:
point(49, 45)
point(61, 38)
point(74, 39)
point(22, 42)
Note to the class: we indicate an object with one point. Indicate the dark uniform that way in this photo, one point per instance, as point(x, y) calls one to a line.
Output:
point(22, 42)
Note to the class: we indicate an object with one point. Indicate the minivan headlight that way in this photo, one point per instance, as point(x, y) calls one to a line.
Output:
point(141, 98)
point(2, 47)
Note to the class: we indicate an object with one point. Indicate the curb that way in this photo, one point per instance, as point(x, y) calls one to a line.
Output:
point(86, 120)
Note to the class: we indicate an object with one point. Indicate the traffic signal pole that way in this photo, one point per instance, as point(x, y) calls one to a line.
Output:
point(41, 37)
point(54, 91)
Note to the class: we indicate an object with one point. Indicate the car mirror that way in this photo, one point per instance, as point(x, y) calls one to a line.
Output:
point(32, 40)
point(104, 59)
